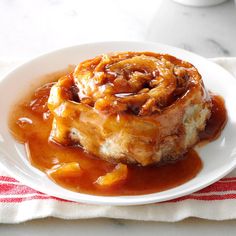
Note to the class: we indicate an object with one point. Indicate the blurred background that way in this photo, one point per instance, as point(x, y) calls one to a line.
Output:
point(28, 28)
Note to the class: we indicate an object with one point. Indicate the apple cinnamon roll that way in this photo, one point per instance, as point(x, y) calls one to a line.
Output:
point(131, 107)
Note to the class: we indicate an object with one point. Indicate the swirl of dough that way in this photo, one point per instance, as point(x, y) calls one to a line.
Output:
point(141, 83)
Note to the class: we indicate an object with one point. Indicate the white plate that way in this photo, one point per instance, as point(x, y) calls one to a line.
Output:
point(218, 157)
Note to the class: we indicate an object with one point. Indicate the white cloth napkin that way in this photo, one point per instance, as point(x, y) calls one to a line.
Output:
point(20, 203)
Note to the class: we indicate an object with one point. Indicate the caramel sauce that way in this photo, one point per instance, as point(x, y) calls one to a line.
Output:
point(31, 123)
point(217, 121)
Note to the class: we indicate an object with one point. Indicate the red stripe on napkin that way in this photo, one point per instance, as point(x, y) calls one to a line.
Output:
point(7, 178)
point(21, 199)
point(210, 197)
point(11, 191)
point(220, 186)
point(9, 188)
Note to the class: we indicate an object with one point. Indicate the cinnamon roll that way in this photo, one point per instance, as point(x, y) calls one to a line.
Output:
point(130, 107)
